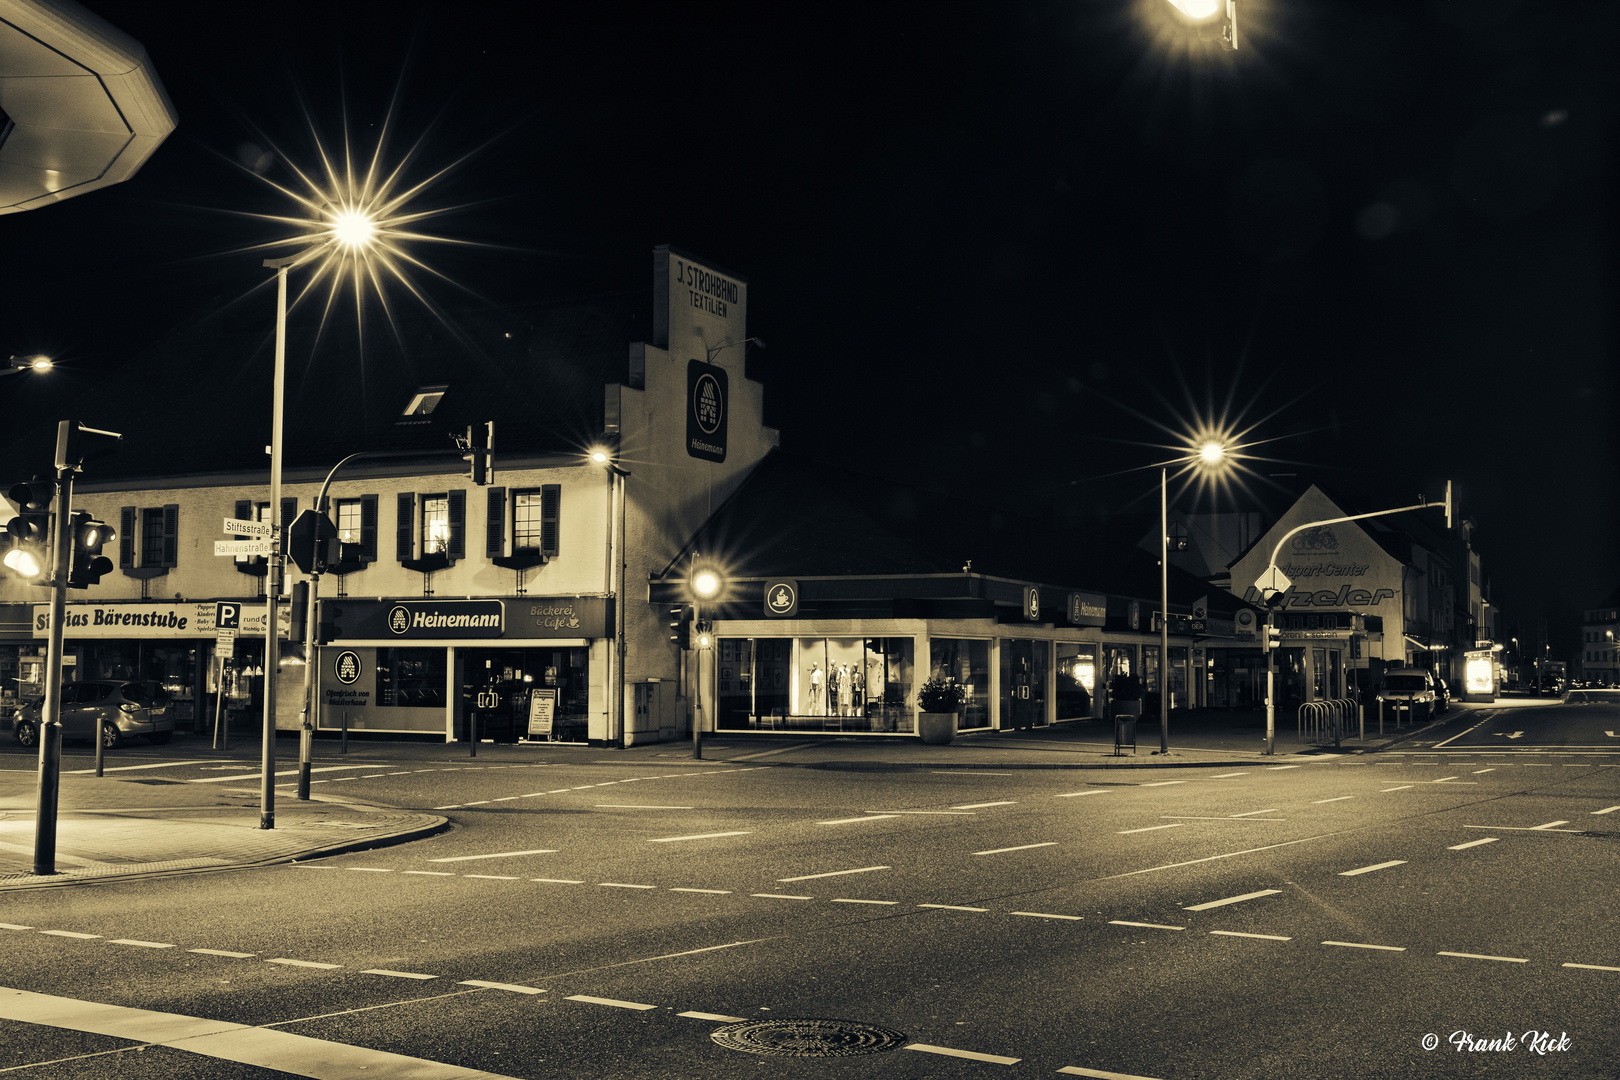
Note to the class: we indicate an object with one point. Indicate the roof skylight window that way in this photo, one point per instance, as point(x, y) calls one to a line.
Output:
point(427, 399)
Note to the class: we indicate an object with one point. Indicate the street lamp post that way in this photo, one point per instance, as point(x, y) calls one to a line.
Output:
point(616, 579)
point(1212, 455)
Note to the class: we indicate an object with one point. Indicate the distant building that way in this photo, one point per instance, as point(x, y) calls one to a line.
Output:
point(1600, 642)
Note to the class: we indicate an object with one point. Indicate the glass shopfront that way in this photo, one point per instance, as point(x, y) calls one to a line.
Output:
point(1076, 680)
point(824, 684)
point(1023, 682)
point(966, 662)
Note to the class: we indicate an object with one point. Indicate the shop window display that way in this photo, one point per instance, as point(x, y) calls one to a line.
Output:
point(966, 662)
point(850, 684)
point(1076, 680)
point(411, 678)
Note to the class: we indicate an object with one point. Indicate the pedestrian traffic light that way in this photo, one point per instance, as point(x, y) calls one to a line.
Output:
point(88, 536)
point(680, 626)
point(30, 530)
point(478, 450)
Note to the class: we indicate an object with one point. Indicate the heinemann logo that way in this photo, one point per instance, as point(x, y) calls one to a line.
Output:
point(435, 621)
point(406, 621)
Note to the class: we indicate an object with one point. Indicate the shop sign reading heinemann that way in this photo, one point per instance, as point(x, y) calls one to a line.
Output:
point(148, 620)
point(437, 620)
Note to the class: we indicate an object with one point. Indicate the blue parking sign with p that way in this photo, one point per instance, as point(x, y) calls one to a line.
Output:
point(227, 616)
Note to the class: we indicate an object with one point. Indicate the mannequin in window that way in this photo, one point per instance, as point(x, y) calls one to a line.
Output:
point(846, 695)
point(834, 689)
point(815, 689)
point(857, 690)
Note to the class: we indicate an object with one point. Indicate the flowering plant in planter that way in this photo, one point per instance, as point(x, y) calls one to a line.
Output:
point(940, 696)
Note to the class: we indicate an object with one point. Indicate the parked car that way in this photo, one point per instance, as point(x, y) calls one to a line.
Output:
point(1409, 688)
point(126, 709)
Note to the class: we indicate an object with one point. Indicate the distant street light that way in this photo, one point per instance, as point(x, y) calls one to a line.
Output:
point(15, 365)
point(1218, 16)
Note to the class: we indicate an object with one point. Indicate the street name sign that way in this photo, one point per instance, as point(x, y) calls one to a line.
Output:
point(249, 528)
point(244, 547)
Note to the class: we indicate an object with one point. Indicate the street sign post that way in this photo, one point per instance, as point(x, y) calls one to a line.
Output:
point(239, 527)
point(244, 547)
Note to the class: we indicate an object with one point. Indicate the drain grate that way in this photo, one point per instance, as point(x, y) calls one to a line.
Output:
point(808, 1037)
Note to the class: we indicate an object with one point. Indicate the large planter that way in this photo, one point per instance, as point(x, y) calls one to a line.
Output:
point(936, 728)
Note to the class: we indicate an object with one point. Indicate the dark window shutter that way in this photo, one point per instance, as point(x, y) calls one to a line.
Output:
point(171, 534)
point(405, 527)
point(289, 514)
point(456, 503)
point(126, 537)
point(495, 524)
point(368, 528)
point(244, 510)
point(550, 513)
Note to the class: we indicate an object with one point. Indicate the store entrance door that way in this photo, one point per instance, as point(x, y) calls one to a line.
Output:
point(496, 685)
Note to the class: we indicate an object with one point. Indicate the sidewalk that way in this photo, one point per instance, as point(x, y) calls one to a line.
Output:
point(126, 826)
point(115, 827)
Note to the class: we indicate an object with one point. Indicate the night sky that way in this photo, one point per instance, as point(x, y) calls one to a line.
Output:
point(999, 249)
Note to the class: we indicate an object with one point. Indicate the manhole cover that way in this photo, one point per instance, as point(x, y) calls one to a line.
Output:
point(808, 1038)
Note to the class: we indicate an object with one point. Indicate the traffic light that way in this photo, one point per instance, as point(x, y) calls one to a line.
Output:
point(478, 450)
point(30, 530)
point(300, 612)
point(706, 581)
point(76, 444)
point(705, 633)
point(1273, 637)
point(328, 629)
point(88, 563)
point(680, 626)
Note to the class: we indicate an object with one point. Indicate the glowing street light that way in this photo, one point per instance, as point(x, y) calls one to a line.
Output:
point(1212, 15)
point(16, 365)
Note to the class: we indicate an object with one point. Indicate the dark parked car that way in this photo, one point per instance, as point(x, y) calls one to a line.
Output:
point(1410, 689)
point(126, 709)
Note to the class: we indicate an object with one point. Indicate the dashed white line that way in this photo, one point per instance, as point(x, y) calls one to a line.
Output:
point(614, 1002)
point(1239, 933)
point(719, 1018)
point(636, 806)
point(1077, 794)
point(1341, 798)
point(1478, 956)
point(716, 892)
point(556, 881)
point(141, 944)
point(1162, 783)
point(1233, 900)
point(994, 1059)
point(303, 963)
point(622, 885)
point(1472, 843)
point(833, 873)
point(494, 877)
point(779, 896)
point(885, 903)
point(1021, 847)
point(1403, 787)
point(1594, 967)
point(851, 820)
point(397, 974)
point(496, 855)
point(1370, 869)
point(369, 869)
point(982, 805)
point(1049, 915)
point(1226, 776)
point(1476, 772)
point(1251, 813)
point(1274, 768)
point(1147, 925)
point(1102, 1074)
point(13, 926)
point(1607, 810)
point(1360, 945)
point(223, 952)
point(1150, 828)
point(429, 873)
point(953, 907)
point(514, 987)
point(697, 836)
point(1549, 825)
point(69, 933)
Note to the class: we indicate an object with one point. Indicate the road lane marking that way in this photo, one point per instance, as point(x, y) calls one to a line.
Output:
point(397, 974)
point(1359, 945)
point(1594, 967)
point(493, 877)
point(1212, 858)
point(1021, 847)
point(1274, 768)
point(1077, 794)
point(720, 1018)
point(1049, 915)
point(1150, 828)
point(982, 805)
point(1403, 787)
point(1162, 783)
point(851, 820)
point(622, 885)
point(716, 892)
point(222, 952)
point(697, 836)
point(994, 1059)
point(369, 869)
point(1239, 933)
point(258, 774)
point(497, 855)
point(1472, 843)
point(557, 881)
point(975, 772)
point(1522, 828)
point(636, 806)
point(1227, 817)
point(429, 873)
point(1147, 925)
point(1370, 869)
point(142, 944)
point(614, 1002)
point(779, 896)
point(1226, 776)
point(953, 907)
point(1251, 813)
point(886, 903)
point(303, 963)
point(1341, 798)
point(13, 926)
point(1609, 810)
point(1479, 956)
point(1549, 825)
point(1233, 900)
point(892, 813)
point(1476, 772)
point(833, 873)
point(514, 987)
point(262, 1047)
point(1102, 1074)
point(69, 933)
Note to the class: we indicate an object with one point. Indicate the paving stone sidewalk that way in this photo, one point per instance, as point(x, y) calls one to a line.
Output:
point(115, 827)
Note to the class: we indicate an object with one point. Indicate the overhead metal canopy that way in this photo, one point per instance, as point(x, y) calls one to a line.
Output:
point(80, 106)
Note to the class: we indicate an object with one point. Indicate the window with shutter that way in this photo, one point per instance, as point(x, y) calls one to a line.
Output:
point(457, 547)
point(550, 519)
point(126, 538)
point(171, 534)
point(405, 527)
point(368, 528)
point(495, 524)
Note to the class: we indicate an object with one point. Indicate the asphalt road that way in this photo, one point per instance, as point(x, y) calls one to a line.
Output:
point(587, 918)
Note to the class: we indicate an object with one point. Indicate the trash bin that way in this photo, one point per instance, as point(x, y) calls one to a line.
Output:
point(1124, 733)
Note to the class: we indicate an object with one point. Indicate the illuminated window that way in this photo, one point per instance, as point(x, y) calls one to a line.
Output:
point(425, 400)
point(435, 524)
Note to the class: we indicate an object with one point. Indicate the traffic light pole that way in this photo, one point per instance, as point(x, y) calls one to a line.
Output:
point(306, 727)
point(1271, 701)
point(50, 728)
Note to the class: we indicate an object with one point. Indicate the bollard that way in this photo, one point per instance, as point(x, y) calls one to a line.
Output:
point(50, 780)
point(472, 732)
point(101, 742)
point(343, 747)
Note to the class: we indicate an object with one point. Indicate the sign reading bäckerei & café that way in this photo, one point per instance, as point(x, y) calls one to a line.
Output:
point(524, 617)
point(149, 620)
